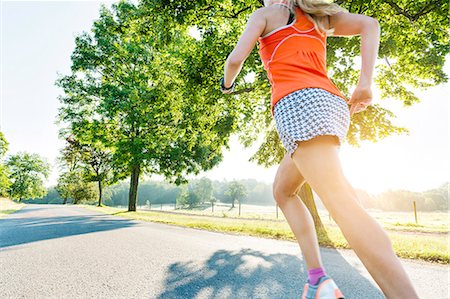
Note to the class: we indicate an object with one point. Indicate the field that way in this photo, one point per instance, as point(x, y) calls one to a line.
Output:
point(428, 222)
point(427, 240)
point(8, 206)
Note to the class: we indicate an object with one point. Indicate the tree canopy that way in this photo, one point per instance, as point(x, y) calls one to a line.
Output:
point(127, 90)
point(414, 43)
point(27, 174)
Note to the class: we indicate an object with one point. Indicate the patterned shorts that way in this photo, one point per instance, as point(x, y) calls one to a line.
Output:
point(310, 112)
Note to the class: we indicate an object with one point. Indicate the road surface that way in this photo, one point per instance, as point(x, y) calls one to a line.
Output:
point(51, 251)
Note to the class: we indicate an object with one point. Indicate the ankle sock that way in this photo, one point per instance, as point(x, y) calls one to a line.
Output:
point(315, 274)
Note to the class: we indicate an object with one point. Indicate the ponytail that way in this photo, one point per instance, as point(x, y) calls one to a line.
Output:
point(318, 11)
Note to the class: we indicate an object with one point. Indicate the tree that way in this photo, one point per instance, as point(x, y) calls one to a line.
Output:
point(69, 162)
point(203, 189)
point(73, 185)
point(236, 191)
point(128, 91)
point(97, 162)
point(5, 183)
point(414, 42)
point(66, 185)
point(27, 174)
point(188, 197)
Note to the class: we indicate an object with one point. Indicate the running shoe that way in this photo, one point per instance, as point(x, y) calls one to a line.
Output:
point(324, 289)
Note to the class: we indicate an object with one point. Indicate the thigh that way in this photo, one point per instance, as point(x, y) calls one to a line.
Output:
point(318, 161)
point(288, 178)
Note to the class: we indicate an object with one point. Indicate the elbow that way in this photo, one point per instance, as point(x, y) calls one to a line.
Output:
point(370, 25)
point(374, 24)
point(234, 61)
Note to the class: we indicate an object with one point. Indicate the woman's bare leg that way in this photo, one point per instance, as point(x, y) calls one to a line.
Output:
point(287, 181)
point(318, 162)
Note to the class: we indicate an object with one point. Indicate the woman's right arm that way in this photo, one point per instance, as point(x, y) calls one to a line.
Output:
point(348, 24)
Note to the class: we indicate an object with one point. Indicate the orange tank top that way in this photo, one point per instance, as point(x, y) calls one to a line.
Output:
point(294, 57)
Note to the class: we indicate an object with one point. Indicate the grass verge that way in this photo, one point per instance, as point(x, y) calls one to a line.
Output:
point(427, 247)
point(7, 206)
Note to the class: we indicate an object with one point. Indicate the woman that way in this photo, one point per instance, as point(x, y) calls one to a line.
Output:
point(312, 119)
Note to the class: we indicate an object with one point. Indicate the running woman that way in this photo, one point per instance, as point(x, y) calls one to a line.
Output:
point(312, 119)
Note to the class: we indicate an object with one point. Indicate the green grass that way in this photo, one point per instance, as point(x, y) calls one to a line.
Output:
point(7, 206)
point(429, 222)
point(430, 247)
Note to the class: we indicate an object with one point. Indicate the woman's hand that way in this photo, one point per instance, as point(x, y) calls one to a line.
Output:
point(224, 89)
point(361, 99)
point(347, 24)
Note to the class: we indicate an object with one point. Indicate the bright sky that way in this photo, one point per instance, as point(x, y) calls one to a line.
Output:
point(37, 39)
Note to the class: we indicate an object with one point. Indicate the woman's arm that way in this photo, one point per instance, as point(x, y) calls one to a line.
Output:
point(347, 24)
point(255, 27)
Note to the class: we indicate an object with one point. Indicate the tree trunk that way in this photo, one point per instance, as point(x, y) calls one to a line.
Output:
point(134, 181)
point(232, 204)
point(100, 193)
point(307, 197)
point(65, 201)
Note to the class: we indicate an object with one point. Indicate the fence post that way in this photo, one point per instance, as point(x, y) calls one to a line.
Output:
point(212, 206)
point(415, 211)
point(175, 206)
point(276, 208)
point(239, 208)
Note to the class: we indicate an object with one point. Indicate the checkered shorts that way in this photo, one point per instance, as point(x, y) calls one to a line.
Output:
point(310, 112)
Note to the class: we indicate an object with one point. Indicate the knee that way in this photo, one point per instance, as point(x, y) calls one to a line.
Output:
point(281, 193)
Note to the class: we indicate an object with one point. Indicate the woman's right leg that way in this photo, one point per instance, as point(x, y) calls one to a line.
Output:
point(287, 181)
point(318, 161)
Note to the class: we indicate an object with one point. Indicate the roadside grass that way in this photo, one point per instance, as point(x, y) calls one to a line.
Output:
point(429, 247)
point(428, 222)
point(8, 206)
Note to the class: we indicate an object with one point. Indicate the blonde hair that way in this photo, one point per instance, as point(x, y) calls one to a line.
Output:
point(318, 11)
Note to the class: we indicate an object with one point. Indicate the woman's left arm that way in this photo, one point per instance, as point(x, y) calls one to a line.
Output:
point(348, 24)
point(255, 27)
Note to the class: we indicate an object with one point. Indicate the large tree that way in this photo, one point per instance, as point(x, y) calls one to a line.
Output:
point(128, 91)
point(414, 42)
point(27, 174)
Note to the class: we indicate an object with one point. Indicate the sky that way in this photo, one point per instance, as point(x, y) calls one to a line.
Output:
point(37, 39)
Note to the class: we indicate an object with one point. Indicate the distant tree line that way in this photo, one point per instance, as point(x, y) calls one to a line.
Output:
point(204, 191)
point(196, 192)
point(402, 200)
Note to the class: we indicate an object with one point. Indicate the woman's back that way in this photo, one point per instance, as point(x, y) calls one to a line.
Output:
point(277, 16)
point(294, 55)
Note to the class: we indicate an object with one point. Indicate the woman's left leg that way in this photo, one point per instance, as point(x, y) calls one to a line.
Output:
point(287, 181)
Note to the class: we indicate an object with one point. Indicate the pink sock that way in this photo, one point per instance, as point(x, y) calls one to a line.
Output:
point(315, 274)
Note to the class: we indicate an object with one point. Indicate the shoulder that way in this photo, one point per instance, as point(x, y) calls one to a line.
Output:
point(259, 16)
point(260, 13)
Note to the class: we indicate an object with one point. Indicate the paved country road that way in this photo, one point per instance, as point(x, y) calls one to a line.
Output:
point(51, 251)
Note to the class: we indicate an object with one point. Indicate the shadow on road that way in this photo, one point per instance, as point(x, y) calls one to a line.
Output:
point(252, 274)
point(18, 230)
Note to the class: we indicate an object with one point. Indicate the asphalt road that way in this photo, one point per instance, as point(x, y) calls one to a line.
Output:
point(50, 251)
